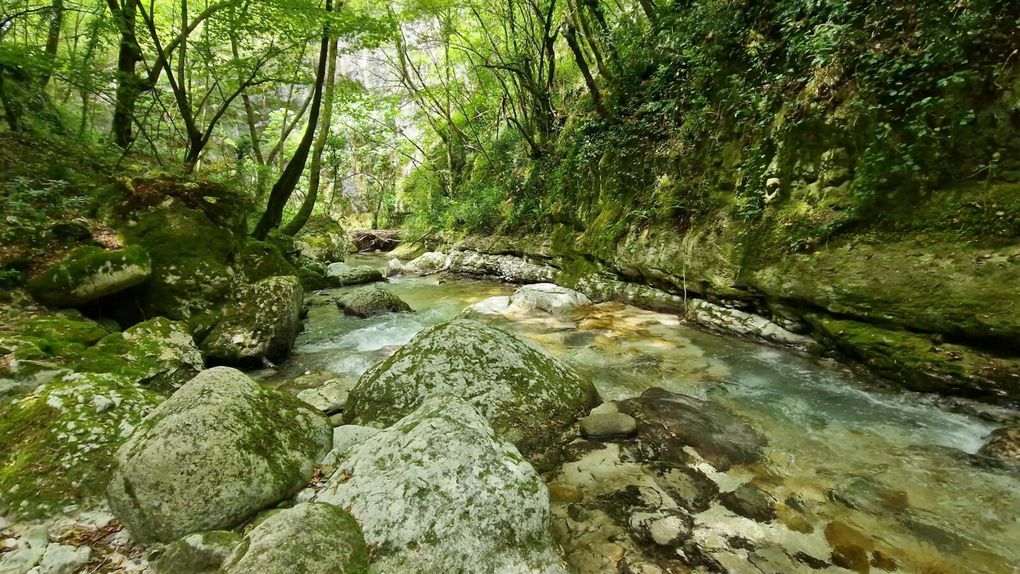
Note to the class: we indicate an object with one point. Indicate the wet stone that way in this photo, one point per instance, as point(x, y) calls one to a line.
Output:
point(608, 426)
point(669, 422)
point(750, 502)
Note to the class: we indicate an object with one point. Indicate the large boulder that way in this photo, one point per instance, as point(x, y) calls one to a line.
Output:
point(431, 262)
point(547, 297)
point(262, 324)
point(529, 396)
point(90, 273)
point(310, 538)
point(219, 450)
point(192, 245)
point(344, 275)
point(59, 441)
point(323, 239)
point(439, 492)
point(198, 553)
point(372, 300)
point(376, 239)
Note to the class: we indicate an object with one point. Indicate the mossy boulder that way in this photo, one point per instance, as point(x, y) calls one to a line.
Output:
point(215, 453)
point(191, 259)
point(159, 353)
point(373, 300)
point(90, 273)
point(260, 260)
point(59, 441)
point(345, 275)
point(530, 397)
point(261, 324)
point(38, 341)
point(922, 362)
point(467, 500)
point(310, 538)
point(199, 553)
point(323, 239)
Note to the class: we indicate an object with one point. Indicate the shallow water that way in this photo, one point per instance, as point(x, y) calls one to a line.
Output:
point(891, 466)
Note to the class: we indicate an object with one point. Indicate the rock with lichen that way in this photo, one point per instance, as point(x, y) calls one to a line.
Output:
point(439, 491)
point(311, 538)
point(215, 453)
point(372, 300)
point(59, 441)
point(531, 397)
point(90, 273)
point(261, 324)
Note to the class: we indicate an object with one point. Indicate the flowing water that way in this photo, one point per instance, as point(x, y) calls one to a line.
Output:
point(889, 465)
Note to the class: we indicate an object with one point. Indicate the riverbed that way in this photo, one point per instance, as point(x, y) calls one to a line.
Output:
point(893, 466)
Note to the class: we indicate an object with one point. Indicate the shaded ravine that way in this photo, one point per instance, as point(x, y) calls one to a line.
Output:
point(891, 465)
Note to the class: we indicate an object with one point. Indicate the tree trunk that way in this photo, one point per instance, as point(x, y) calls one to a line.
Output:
point(52, 41)
point(315, 170)
point(288, 180)
point(128, 83)
point(582, 65)
point(650, 9)
point(12, 108)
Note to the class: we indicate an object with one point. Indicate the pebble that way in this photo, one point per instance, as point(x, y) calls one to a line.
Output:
point(608, 425)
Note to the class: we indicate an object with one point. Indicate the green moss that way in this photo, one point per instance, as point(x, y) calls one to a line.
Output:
point(921, 363)
point(89, 273)
point(191, 257)
point(59, 442)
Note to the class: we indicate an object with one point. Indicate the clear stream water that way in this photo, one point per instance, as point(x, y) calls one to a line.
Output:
point(889, 465)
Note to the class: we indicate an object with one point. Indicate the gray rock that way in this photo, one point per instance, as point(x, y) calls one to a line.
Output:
point(158, 352)
point(29, 551)
point(605, 408)
point(530, 397)
point(199, 553)
point(394, 267)
point(373, 300)
point(262, 324)
point(345, 438)
point(215, 453)
point(508, 267)
point(329, 398)
point(310, 538)
point(547, 297)
point(608, 425)
point(427, 264)
point(438, 492)
point(62, 559)
point(345, 275)
point(498, 305)
point(90, 273)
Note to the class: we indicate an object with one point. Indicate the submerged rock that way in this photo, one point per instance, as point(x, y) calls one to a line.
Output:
point(199, 553)
point(547, 297)
point(310, 538)
point(344, 275)
point(438, 492)
point(373, 300)
point(90, 273)
point(220, 449)
point(1004, 444)
point(59, 441)
point(530, 397)
point(750, 502)
point(262, 324)
point(668, 422)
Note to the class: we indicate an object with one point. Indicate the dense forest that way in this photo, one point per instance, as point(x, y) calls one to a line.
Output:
point(635, 286)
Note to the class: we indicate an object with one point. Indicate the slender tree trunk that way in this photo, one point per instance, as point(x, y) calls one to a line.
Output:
point(315, 170)
point(650, 9)
point(582, 65)
point(288, 180)
point(12, 109)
